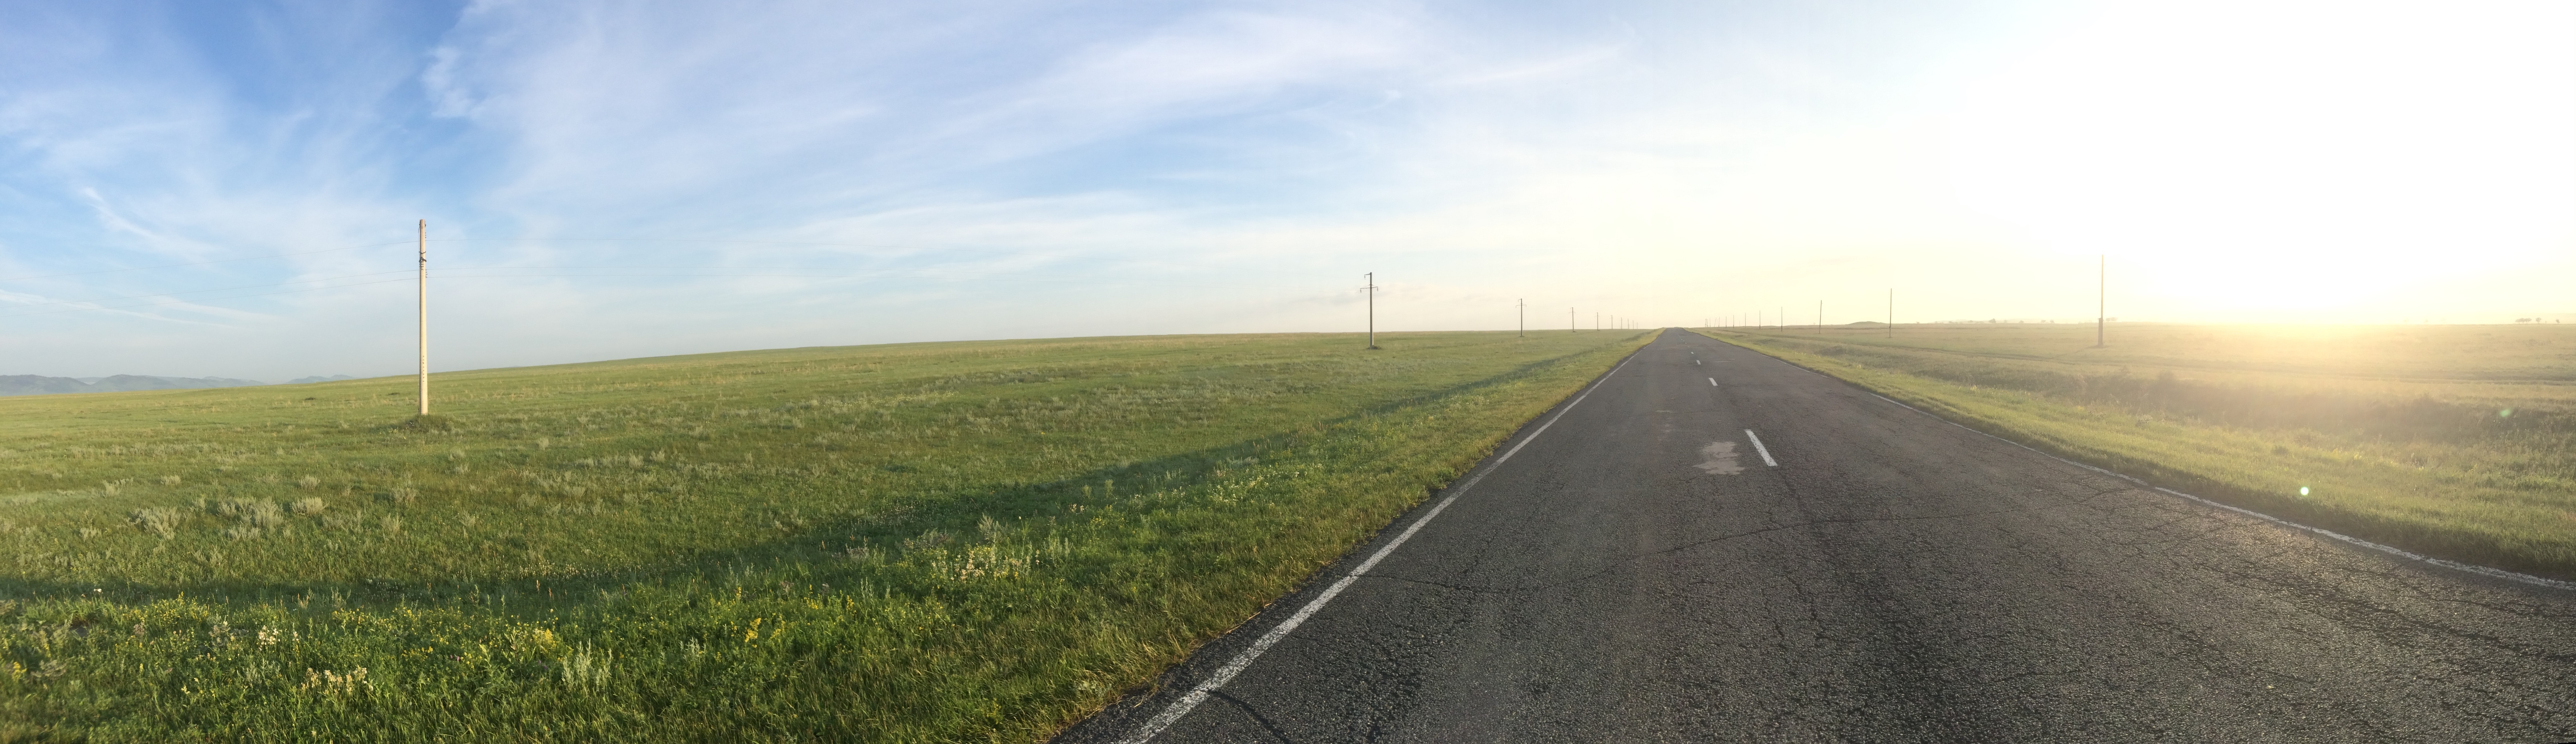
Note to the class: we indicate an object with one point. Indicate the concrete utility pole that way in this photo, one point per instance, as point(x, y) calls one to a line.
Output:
point(1371, 289)
point(424, 317)
point(1524, 306)
point(1820, 315)
point(1570, 327)
point(2101, 311)
point(1596, 322)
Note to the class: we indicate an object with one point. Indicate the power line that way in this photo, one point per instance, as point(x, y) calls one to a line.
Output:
point(878, 246)
point(184, 302)
point(215, 289)
point(892, 274)
point(853, 273)
point(197, 263)
point(655, 240)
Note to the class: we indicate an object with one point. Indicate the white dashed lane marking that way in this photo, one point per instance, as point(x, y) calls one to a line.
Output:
point(1764, 451)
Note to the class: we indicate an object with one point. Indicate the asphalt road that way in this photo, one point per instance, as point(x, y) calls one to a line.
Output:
point(1637, 572)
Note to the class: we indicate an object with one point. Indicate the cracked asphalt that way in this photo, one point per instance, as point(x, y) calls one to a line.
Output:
point(1895, 578)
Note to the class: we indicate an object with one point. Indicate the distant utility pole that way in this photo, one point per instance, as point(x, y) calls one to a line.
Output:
point(1371, 289)
point(1596, 322)
point(1524, 306)
point(1820, 315)
point(424, 317)
point(1570, 327)
point(2104, 298)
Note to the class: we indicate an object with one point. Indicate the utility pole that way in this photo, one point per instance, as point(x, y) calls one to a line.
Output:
point(424, 317)
point(1570, 327)
point(1524, 306)
point(1820, 316)
point(2102, 310)
point(1371, 289)
point(1596, 321)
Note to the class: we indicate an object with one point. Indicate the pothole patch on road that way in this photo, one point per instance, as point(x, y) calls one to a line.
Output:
point(1721, 459)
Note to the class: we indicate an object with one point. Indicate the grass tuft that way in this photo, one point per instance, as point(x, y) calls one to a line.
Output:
point(2393, 434)
point(923, 542)
point(429, 422)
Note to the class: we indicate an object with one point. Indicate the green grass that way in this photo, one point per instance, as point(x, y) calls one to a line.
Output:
point(961, 541)
point(2455, 441)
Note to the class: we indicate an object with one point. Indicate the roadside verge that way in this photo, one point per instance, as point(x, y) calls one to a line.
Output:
point(2382, 505)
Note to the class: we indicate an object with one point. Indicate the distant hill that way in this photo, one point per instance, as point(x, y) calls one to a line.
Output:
point(318, 378)
point(41, 385)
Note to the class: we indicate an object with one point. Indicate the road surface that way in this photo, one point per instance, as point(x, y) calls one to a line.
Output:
point(1639, 570)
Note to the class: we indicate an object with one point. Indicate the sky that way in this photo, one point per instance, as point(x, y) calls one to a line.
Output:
point(235, 189)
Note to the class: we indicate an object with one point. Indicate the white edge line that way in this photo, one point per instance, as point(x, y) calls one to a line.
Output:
point(2391, 550)
point(1224, 674)
point(1757, 447)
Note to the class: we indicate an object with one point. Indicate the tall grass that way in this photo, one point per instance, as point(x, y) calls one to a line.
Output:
point(901, 543)
point(2458, 441)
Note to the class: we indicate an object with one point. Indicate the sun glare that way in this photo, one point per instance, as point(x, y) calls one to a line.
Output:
point(2286, 156)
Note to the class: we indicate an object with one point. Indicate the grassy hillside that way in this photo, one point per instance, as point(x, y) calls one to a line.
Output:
point(897, 543)
point(2458, 441)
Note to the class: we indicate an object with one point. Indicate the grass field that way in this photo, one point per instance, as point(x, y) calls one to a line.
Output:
point(2456, 441)
point(961, 541)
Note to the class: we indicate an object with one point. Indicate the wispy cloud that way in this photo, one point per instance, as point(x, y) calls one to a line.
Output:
point(609, 179)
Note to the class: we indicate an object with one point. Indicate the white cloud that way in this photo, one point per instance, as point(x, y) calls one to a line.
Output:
point(1035, 169)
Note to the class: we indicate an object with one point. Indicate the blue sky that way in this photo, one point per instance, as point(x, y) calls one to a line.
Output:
point(230, 189)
